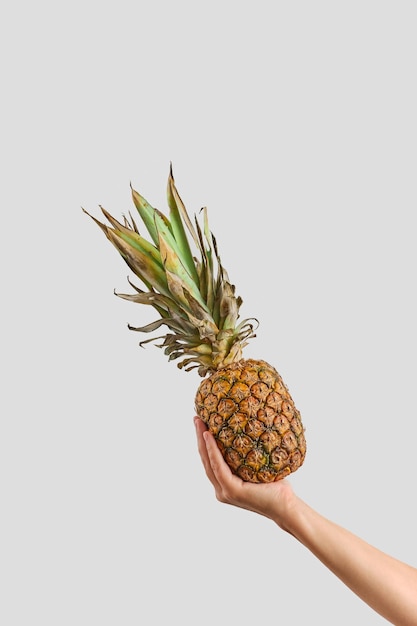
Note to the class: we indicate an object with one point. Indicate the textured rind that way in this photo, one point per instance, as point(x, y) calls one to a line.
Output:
point(254, 420)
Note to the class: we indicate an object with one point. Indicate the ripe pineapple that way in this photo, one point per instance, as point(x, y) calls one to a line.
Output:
point(243, 402)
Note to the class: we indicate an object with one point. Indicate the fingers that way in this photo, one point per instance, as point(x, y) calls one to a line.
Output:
point(200, 428)
point(217, 470)
point(218, 465)
point(202, 449)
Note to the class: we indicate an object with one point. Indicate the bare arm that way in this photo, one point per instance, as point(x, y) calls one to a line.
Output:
point(387, 585)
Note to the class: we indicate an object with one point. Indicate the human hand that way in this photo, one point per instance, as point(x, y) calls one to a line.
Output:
point(275, 500)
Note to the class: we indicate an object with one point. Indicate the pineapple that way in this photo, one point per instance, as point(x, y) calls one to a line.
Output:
point(243, 402)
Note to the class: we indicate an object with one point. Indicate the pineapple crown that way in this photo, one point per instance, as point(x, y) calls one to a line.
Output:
point(193, 296)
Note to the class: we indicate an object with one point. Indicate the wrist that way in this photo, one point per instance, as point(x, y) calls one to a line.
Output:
point(287, 510)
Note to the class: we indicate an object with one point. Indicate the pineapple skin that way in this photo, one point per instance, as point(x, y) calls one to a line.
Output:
point(250, 412)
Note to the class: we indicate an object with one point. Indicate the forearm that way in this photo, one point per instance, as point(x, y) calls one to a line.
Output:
point(384, 583)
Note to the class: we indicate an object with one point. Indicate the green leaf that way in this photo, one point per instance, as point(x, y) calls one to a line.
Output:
point(178, 214)
point(172, 260)
point(144, 268)
point(134, 239)
point(146, 212)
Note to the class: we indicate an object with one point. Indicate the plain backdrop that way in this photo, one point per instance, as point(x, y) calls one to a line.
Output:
point(295, 124)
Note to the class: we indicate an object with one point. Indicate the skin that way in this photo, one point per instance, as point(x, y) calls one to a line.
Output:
point(387, 585)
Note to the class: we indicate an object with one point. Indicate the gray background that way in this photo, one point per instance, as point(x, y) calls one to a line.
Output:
point(294, 123)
